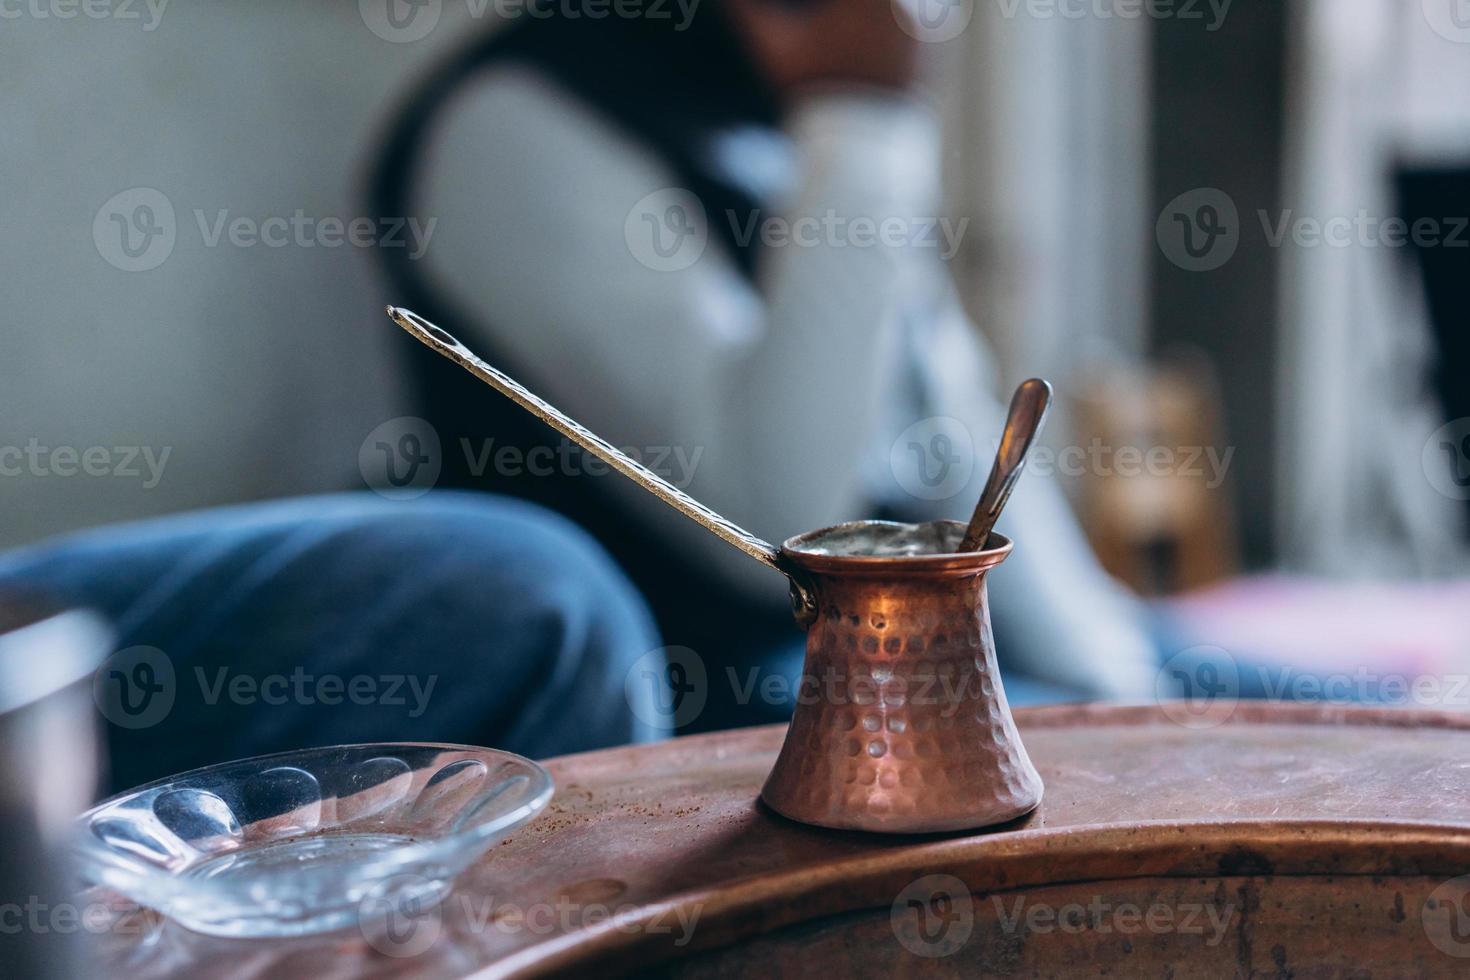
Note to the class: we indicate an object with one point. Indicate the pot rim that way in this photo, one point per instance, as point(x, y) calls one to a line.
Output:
point(796, 550)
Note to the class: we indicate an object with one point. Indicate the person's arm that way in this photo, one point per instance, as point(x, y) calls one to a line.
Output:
point(770, 390)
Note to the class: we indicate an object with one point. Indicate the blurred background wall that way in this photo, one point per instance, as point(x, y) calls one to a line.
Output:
point(259, 369)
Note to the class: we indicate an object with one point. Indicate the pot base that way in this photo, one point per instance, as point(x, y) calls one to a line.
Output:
point(879, 823)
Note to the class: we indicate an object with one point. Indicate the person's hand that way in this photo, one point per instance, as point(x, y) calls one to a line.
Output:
point(816, 42)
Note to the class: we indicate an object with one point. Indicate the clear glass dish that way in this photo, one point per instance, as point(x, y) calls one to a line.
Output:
point(308, 841)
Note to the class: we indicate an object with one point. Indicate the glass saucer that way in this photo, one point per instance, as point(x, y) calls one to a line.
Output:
point(308, 841)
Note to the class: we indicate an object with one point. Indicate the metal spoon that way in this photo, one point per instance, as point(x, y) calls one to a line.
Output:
point(1028, 411)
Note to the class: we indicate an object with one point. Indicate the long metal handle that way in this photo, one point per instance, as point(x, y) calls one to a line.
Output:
point(442, 342)
point(1023, 424)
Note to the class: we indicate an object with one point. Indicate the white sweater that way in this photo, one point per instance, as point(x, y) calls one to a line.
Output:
point(786, 398)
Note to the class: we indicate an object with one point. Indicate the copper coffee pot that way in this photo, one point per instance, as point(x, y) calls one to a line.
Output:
point(901, 724)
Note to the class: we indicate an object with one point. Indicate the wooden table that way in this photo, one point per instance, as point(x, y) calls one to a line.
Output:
point(1291, 841)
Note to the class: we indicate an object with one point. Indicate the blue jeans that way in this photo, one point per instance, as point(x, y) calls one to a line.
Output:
point(327, 620)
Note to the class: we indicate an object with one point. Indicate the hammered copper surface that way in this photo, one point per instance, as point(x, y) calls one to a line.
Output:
point(1325, 826)
point(901, 723)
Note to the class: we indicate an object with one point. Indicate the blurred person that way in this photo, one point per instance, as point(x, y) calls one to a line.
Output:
point(651, 222)
point(791, 370)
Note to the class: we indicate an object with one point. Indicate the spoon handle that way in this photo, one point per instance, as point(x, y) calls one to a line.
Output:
point(441, 342)
point(1023, 423)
